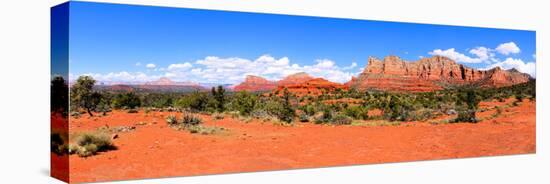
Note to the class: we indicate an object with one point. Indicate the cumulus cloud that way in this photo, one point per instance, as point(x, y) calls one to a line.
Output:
point(479, 54)
point(120, 77)
point(457, 56)
point(518, 64)
point(508, 48)
point(185, 65)
point(150, 65)
point(233, 70)
point(482, 53)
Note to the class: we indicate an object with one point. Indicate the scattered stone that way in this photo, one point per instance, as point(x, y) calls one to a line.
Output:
point(123, 129)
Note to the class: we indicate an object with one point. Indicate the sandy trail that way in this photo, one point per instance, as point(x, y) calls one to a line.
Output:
point(155, 150)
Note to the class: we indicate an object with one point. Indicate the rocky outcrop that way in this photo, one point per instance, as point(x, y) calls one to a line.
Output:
point(255, 83)
point(296, 78)
point(429, 74)
point(314, 87)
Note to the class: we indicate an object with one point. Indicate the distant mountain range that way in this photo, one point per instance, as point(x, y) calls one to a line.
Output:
point(390, 74)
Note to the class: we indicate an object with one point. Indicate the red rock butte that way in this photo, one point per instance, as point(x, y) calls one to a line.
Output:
point(314, 87)
point(255, 83)
point(429, 74)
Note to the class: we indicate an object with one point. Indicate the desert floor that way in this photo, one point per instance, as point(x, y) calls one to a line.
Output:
point(155, 150)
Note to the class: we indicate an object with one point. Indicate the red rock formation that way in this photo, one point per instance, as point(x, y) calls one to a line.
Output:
point(312, 87)
point(296, 78)
point(428, 74)
point(255, 83)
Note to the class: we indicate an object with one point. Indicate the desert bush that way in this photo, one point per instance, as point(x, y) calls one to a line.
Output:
point(278, 108)
point(132, 111)
point(191, 123)
point(218, 116)
point(196, 101)
point(304, 117)
point(323, 117)
point(75, 114)
point(58, 144)
point(287, 113)
point(357, 112)
point(244, 102)
point(467, 104)
point(341, 119)
point(88, 144)
point(171, 120)
point(189, 119)
point(260, 113)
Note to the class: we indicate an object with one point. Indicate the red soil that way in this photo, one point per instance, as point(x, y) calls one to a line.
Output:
point(155, 150)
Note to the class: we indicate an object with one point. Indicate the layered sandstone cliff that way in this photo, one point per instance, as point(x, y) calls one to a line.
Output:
point(429, 74)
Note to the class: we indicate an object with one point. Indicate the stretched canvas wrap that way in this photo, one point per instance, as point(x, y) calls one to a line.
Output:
point(145, 92)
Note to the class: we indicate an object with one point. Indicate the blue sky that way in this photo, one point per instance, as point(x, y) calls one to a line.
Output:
point(126, 43)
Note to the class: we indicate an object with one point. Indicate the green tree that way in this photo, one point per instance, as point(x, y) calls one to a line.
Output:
point(128, 100)
point(244, 102)
point(82, 94)
point(196, 101)
point(288, 111)
point(219, 96)
point(467, 104)
point(59, 95)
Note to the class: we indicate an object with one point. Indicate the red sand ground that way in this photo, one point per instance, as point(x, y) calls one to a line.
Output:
point(155, 150)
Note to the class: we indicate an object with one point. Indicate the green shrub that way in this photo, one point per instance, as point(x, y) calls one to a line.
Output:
point(357, 112)
point(467, 104)
point(58, 144)
point(304, 117)
point(218, 116)
point(132, 111)
point(196, 101)
point(341, 119)
point(171, 120)
point(323, 117)
point(88, 144)
point(244, 102)
point(189, 119)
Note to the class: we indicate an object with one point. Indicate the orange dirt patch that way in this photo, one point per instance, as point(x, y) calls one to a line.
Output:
point(156, 150)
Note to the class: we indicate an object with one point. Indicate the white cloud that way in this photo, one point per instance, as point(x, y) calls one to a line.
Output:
point(121, 77)
point(508, 48)
point(483, 53)
point(138, 64)
point(150, 65)
point(478, 54)
point(180, 66)
point(352, 66)
point(518, 64)
point(233, 70)
point(457, 56)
